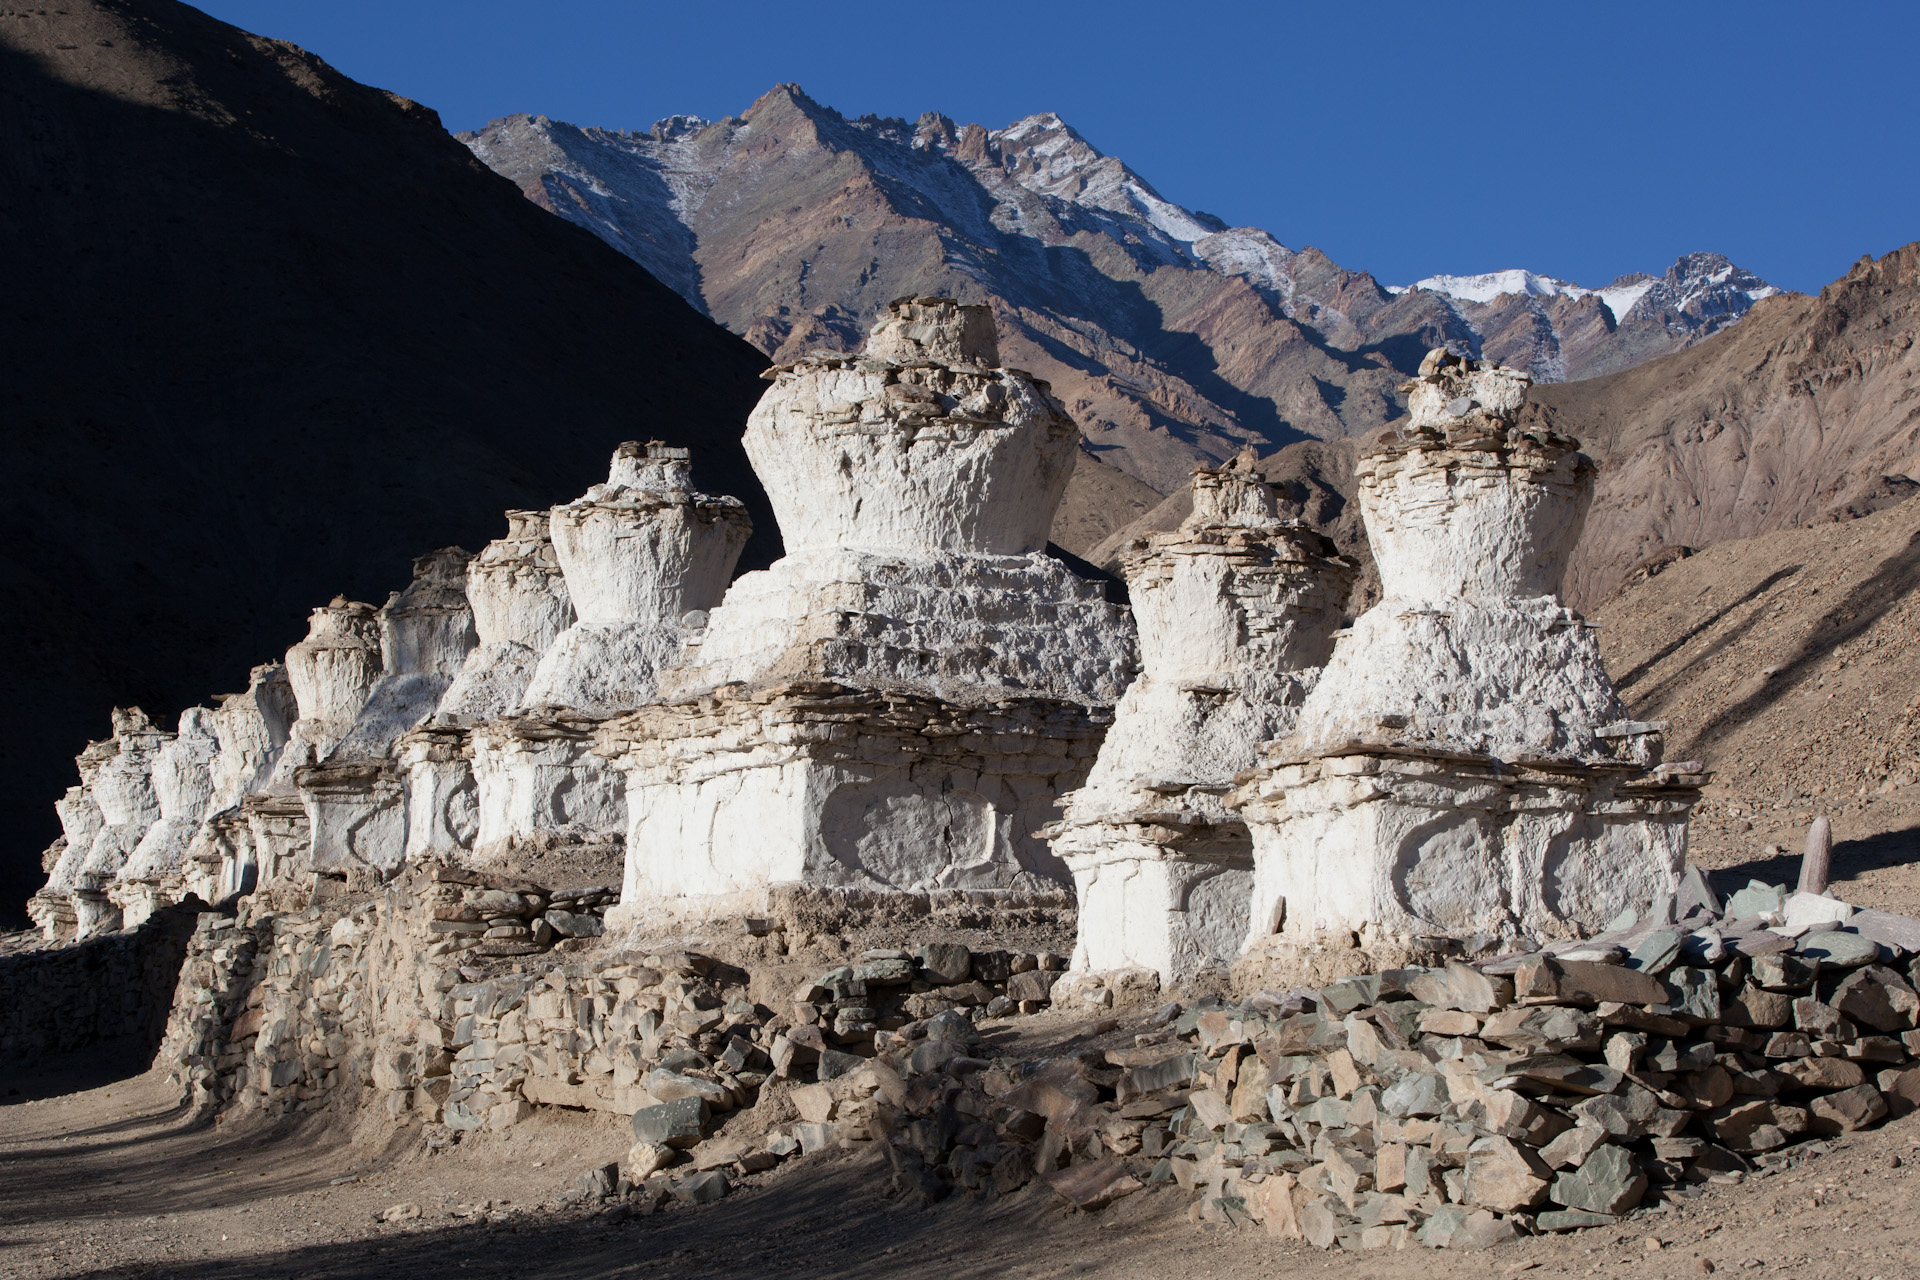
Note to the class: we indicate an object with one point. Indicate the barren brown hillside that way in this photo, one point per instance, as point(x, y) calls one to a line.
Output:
point(1790, 663)
point(1807, 411)
point(1794, 415)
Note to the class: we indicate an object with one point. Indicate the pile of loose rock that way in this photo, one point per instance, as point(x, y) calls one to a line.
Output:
point(853, 1031)
point(1457, 1107)
point(495, 996)
point(494, 916)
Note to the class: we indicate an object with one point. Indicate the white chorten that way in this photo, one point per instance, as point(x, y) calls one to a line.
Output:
point(520, 606)
point(893, 705)
point(355, 797)
point(123, 788)
point(332, 672)
point(52, 908)
point(1237, 610)
point(1463, 765)
point(155, 873)
point(644, 557)
point(252, 728)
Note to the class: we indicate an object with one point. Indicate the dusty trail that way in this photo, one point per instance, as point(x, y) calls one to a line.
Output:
point(101, 1174)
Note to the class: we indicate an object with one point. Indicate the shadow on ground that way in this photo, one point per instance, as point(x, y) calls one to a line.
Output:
point(39, 1076)
point(828, 1217)
point(1851, 859)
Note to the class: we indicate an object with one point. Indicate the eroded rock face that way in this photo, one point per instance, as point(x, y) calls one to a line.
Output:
point(183, 785)
point(1236, 609)
point(1463, 764)
point(892, 705)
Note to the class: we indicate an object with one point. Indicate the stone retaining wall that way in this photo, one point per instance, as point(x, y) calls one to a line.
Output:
point(116, 987)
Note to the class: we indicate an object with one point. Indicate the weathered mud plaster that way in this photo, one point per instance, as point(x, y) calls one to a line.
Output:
point(644, 557)
point(892, 706)
point(1237, 610)
point(52, 909)
point(252, 728)
point(122, 787)
point(520, 606)
point(1463, 765)
point(155, 873)
point(355, 798)
point(332, 672)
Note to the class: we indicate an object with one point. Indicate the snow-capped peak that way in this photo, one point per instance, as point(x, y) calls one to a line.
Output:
point(1490, 285)
point(1047, 156)
point(1698, 282)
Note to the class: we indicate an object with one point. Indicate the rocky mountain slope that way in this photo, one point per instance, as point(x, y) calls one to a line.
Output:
point(1803, 414)
point(269, 334)
point(1788, 662)
point(1172, 337)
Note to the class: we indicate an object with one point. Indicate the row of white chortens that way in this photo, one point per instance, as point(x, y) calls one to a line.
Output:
point(910, 699)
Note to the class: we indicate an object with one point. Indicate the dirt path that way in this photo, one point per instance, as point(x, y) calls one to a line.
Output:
point(111, 1179)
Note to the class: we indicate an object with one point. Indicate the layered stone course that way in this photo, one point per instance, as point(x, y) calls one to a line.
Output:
point(1465, 1104)
point(113, 991)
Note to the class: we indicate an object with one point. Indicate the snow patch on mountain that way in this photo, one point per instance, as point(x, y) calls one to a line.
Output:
point(1492, 284)
point(1039, 181)
point(1704, 283)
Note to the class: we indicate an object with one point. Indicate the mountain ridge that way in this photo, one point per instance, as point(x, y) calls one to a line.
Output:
point(1173, 338)
point(1806, 413)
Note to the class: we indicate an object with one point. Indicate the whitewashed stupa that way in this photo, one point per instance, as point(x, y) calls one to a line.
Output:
point(1463, 765)
point(644, 557)
point(1237, 610)
point(253, 728)
point(355, 796)
point(520, 607)
point(893, 706)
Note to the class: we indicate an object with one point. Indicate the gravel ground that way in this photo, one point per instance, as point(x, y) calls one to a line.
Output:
point(101, 1174)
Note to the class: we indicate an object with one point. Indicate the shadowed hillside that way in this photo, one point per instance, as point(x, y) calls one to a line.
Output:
point(270, 333)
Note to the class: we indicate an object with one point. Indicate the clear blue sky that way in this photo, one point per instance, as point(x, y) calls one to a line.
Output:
point(1579, 140)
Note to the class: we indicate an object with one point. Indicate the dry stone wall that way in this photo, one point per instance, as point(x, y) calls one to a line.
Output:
point(1462, 1105)
point(457, 1000)
point(113, 989)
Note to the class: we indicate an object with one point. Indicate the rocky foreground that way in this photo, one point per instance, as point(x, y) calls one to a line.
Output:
point(1589, 1085)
